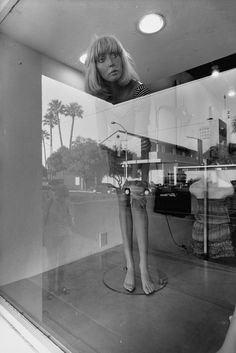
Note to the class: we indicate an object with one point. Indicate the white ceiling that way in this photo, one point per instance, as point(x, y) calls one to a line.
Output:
point(197, 31)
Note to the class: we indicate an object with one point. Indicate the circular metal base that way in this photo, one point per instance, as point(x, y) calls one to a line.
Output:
point(114, 278)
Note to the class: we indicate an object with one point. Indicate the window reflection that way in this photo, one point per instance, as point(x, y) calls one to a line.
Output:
point(91, 147)
point(53, 267)
point(185, 149)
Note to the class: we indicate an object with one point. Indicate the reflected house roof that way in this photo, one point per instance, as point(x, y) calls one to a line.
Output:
point(161, 151)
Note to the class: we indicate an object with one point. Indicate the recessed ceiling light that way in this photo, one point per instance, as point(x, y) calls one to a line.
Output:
point(151, 23)
point(83, 58)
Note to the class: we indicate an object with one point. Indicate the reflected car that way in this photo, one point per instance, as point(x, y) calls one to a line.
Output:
point(105, 188)
point(147, 188)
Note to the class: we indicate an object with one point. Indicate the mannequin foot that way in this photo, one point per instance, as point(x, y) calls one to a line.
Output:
point(147, 282)
point(129, 282)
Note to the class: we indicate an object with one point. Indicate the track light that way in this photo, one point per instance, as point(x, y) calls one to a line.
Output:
point(215, 71)
point(83, 58)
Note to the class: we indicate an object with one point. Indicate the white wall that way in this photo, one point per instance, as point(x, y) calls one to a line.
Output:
point(20, 172)
point(21, 235)
point(20, 151)
point(62, 73)
point(20, 141)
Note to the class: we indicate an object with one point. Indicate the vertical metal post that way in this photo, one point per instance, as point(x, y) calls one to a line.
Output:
point(175, 175)
point(126, 155)
point(126, 147)
point(205, 234)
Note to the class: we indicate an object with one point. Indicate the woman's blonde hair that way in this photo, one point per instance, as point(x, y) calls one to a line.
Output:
point(94, 84)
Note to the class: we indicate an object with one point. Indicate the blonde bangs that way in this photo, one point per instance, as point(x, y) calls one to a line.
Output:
point(105, 45)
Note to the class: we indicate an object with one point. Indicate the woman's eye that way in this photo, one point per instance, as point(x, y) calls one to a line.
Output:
point(114, 55)
point(101, 59)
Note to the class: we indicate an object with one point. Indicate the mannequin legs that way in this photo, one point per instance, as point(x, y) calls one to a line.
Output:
point(134, 217)
point(126, 223)
point(140, 221)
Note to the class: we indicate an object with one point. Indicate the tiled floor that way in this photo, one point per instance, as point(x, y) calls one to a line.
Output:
point(189, 315)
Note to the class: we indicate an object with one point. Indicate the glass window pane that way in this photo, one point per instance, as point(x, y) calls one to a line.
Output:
point(74, 170)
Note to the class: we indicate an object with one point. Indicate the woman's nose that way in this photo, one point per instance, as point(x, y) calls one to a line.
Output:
point(109, 60)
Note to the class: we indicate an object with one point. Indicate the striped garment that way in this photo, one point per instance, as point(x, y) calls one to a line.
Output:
point(141, 90)
point(218, 229)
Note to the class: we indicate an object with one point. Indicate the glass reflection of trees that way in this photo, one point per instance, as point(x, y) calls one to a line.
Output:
point(83, 157)
point(56, 109)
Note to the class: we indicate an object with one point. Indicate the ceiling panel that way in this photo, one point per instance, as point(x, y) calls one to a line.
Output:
point(196, 32)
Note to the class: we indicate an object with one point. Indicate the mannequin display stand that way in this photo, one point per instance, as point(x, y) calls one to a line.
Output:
point(113, 279)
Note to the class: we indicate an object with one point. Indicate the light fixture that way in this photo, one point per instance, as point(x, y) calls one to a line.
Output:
point(151, 23)
point(83, 58)
point(231, 93)
point(215, 71)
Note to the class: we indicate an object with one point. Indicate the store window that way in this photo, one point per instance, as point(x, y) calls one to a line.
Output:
point(88, 149)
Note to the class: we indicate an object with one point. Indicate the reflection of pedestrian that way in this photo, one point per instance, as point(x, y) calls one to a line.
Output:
point(58, 220)
point(218, 230)
point(111, 76)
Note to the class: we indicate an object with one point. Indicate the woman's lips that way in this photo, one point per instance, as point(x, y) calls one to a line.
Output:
point(114, 72)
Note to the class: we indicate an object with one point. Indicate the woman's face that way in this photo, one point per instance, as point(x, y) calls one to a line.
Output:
point(110, 66)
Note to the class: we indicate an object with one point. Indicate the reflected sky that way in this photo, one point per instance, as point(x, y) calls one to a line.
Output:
point(179, 115)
